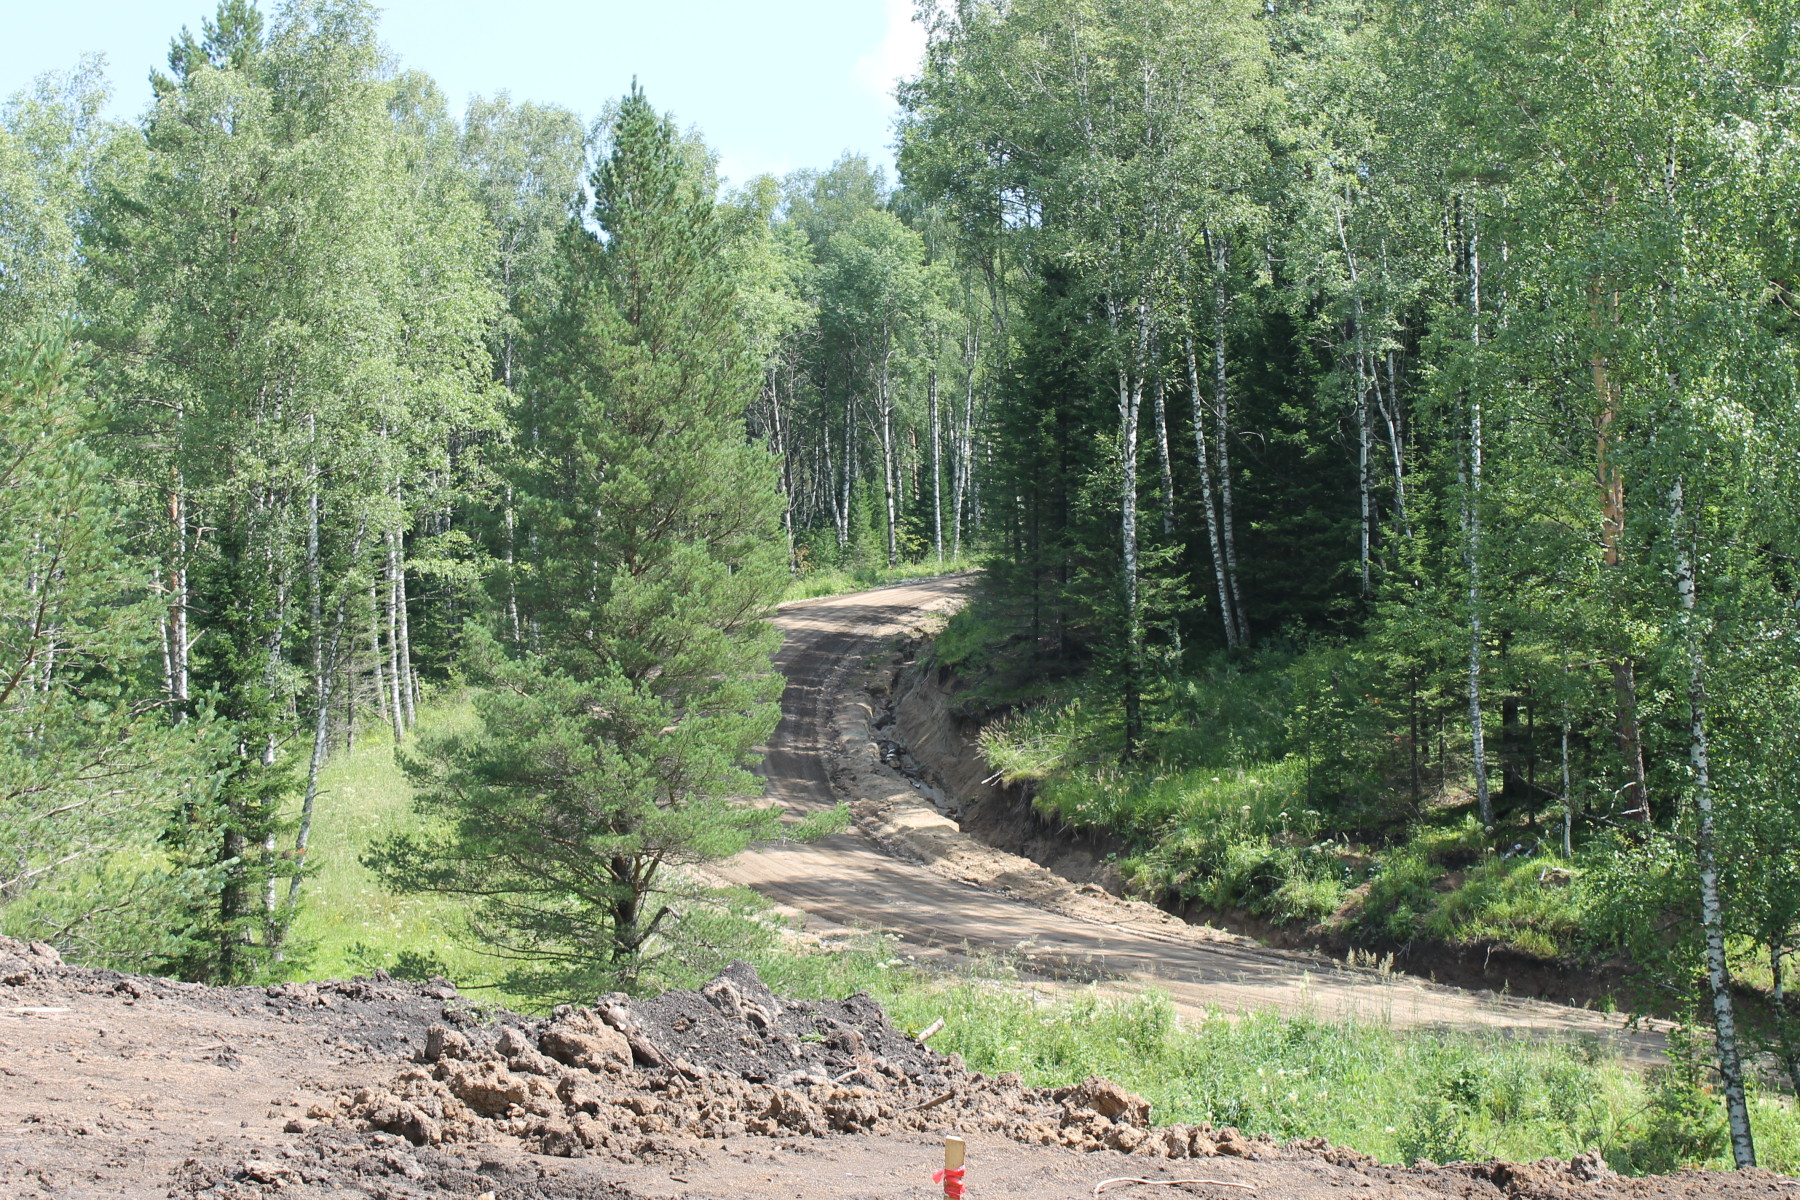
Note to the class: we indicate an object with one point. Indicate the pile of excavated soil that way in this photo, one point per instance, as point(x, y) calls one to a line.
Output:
point(375, 1089)
point(637, 1080)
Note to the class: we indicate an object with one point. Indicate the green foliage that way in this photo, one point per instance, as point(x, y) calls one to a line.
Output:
point(609, 753)
point(1398, 1096)
point(1681, 1125)
point(352, 924)
point(236, 827)
point(286, 287)
point(55, 147)
point(88, 769)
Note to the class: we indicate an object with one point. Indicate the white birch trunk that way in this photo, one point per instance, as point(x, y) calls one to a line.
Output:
point(1222, 419)
point(512, 577)
point(180, 644)
point(1472, 546)
point(1131, 394)
point(409, 677)
point(1362, 396)
point(1390, 416)
point(381, 695)
point(1363, 437)
point(1203, 456)
point(327, 674)
point(959, 440)
point(937, 470)
point(890, 467)
point(849, 471)
point(1162, 459)
point(396, 706)
point(778, 428)
point(1712, 913)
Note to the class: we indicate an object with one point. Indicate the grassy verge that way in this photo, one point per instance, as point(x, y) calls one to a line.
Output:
point(1229, 807)
point(837, 581)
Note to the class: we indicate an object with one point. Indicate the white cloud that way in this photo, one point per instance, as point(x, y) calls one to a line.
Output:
point(899, 54)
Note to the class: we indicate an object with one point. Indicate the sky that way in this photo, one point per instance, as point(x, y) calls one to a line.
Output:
point(773, 85)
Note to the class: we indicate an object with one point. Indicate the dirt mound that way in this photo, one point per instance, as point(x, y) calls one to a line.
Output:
point(639, 1080)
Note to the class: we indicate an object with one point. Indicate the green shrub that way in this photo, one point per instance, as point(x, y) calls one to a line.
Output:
point(1400, 894)
point(1437, 1132)
point(1681, 1125)
point(1535, 904)
point(1521, 902)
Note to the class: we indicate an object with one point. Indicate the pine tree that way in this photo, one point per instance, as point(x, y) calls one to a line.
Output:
point(87, 768)
point(609, 752)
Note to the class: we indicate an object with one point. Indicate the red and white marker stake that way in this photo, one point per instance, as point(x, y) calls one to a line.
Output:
point(952, 1174)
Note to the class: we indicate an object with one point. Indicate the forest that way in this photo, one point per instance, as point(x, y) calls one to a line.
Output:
point(308, 382)
point(1395, 432)
point(1375, 421)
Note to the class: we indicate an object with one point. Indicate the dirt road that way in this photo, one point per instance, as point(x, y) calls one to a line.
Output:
point(851, 882)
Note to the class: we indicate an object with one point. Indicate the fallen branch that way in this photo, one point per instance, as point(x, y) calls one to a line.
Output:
point(930, 1030)
point(933, 1103)
point(1106, 1183)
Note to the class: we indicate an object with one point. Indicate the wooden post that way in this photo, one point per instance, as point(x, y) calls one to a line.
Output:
point(953, 1167)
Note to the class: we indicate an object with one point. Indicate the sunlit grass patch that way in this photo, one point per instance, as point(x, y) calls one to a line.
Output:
point(348, 923)
point(837, 581)
point(1398, 1095)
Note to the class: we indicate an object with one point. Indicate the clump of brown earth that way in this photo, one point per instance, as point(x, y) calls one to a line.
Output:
point(22, 962)
point(626, 1079)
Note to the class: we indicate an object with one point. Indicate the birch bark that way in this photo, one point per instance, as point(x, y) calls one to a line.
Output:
point(396, 705)
point(1472, 543)
point(1131, 395)
point(1612, 528)
point(937, 471)
point(1203, 456)
point(1222, 431)
point(1162, 460)
point(1712, 914)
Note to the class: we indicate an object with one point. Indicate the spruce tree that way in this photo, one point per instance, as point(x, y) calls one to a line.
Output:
point(611, 749)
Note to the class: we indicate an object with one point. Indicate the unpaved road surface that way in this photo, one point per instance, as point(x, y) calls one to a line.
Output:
point(944, 892)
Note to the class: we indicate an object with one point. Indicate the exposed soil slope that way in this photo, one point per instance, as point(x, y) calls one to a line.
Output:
point(906, 868)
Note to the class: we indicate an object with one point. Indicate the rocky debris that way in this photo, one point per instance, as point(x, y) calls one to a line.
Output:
point(21, 962)
point(380, 1165)
point(1546, 1179)
point(403, 1091)
point(638, 1079)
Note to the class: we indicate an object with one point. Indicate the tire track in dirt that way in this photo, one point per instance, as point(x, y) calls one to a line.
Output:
point(981, 900)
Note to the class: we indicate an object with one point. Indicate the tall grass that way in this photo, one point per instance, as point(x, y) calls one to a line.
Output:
point(1399, 1096)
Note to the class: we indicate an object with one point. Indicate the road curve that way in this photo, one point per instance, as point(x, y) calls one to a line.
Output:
point(849, 882)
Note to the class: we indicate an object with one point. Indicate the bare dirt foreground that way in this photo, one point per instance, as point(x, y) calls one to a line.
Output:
point(123, 1086)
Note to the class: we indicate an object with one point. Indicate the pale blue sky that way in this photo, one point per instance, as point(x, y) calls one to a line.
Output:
point(773, 84)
